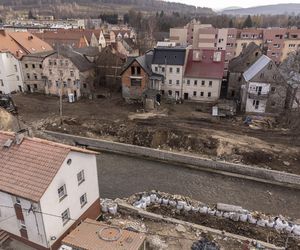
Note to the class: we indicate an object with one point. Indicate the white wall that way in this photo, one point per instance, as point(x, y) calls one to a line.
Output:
point(67, 175)
point(222, 39)
point(33, 221)
point(251, 104)
point(215, 89)
point(173, 76)
point(11, 78)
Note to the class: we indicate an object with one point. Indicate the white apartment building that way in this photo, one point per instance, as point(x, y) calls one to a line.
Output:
point(169, 62)
point(11, 78)
point(203, 75)
point(45, 188)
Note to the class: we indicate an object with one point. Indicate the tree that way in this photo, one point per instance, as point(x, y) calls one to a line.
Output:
point(248, 22)
point(231, 24)
point(30, 15)
point(290, 70)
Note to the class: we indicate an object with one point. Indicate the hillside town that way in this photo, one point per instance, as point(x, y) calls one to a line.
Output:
point(186, 139)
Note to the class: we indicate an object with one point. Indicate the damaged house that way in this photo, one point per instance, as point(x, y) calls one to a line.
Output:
point(263, 88)
point(237, 66)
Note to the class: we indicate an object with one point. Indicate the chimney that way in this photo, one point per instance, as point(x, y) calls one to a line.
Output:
point(30, 37)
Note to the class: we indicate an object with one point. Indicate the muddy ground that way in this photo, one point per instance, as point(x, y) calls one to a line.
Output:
point(187, 127)
point(239, 228)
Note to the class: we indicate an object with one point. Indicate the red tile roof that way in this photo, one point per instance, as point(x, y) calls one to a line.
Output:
point(95, 235)
point(27, 169)
point(206, 67)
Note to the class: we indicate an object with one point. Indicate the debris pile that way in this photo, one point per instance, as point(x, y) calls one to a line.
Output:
point(204, 244)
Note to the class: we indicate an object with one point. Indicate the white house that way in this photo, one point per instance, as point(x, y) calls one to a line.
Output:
point(45, 188)
point(203, 75)
point(11, 78)
point(263, 90)
point(169, 62)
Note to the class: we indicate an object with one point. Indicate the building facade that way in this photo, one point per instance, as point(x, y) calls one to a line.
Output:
point(203, 75)
point(33, 72)
point(263, 90)
point(56, 189)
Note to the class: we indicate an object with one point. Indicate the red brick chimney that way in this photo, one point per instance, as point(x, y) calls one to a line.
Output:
point(2, 32)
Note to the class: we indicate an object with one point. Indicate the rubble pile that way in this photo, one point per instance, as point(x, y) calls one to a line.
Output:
point(204, 244)
point(230, 212)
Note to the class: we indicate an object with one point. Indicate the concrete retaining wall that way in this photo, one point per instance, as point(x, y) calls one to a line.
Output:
point(242, 171)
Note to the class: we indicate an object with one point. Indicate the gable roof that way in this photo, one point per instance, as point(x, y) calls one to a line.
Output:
point(28, 169)
point(169, 56)
point(239, 63)
point(21, 43)
point(256, 67)
point(82, 63)
point(205, 68)
point(144, 61)
point(74, 38)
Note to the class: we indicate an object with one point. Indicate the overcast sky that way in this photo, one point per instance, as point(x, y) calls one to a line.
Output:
point(220, 4)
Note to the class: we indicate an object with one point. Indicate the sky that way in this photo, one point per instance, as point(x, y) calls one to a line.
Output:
point(221, 4)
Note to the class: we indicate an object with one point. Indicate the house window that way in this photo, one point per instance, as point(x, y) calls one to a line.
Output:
point(35, 76)
point(54, 62)
point(50, 71)
point(138, 70)
point(202, 83)
point(35, 86)
point(209, 94)
point(261, 75)
point(16, 68)
point(163, 69)
point(83, 200)
point(171, 69)
point(195, 82)
point(65, 216)
point(273, 89)
point(18, 78)
point(26, 66)
point(1, 82)
point(28, 76)
point(270, 66)
point(50, 62)
point(170, 92)
point(84, 86)
point(41, 66)
point(33, 66)
point(156, 69)
point(80, 177)
point(201, 93)
point(210, 84)
point(61, 73)
point(163, 92)
point(170, 81)
point(62, 192)
point(177, 82)
point(194, 93)
point(57, 83)
point(136, 82)
point(188, 82)
point(178, 70)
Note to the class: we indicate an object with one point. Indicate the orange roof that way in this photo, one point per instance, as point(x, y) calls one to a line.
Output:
point(21, 43)
point(95, 235)
point(27, 169)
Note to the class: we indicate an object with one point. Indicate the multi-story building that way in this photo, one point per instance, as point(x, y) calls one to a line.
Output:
point(46, 189)
point(263, 90)
point(169, 63)
point(68, 73)
point(203, 75)
point(13, 46)
point(237, 66)
point(276, 42)
point(33, 71)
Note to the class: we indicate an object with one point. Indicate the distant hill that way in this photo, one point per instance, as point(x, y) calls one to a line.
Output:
point(88, 8)
point(276, 9)
point(231, 8)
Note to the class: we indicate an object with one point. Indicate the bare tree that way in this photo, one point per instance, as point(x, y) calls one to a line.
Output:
point(290, 70)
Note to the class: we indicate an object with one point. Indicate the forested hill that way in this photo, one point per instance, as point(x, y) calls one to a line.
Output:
point(83, 7)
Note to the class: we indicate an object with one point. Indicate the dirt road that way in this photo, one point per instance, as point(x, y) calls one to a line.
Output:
point(176, 127)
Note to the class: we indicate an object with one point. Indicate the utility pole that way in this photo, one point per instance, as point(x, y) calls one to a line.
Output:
point(61, 91)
